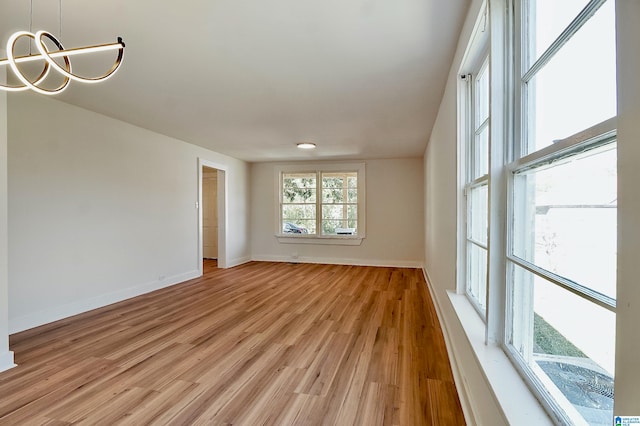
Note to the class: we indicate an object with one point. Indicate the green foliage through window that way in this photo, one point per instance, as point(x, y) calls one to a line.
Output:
point(338, 204)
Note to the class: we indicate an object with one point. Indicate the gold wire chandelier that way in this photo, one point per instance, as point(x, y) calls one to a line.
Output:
point(49, 56)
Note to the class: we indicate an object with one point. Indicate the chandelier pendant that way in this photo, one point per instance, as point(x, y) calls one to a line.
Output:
point(50, 64)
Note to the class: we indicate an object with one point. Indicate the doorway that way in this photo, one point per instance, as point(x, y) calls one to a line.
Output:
point(212, 184)
point(209, 213)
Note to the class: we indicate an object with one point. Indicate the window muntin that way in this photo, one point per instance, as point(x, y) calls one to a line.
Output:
point(317, 202)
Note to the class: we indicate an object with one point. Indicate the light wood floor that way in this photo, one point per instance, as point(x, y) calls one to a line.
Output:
point(262, 343)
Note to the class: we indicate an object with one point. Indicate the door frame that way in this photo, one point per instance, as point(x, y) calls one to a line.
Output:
point(222, 212)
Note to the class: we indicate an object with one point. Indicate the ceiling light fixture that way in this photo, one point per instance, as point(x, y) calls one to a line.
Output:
point(306, 145)
point(49, 56)
point(50, 63)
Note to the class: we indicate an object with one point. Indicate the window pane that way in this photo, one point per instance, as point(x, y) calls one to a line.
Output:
point(339, 180)
point(577, 88)
point(477, 274)
point(301, 215)
point(566, 218)
point(352, 195)
point(478, 213)
point(332, 180)
point(334, 211)
point(568, 342)
point(547, 19)
point(338, 215)
point(341, 227)
point(352, 212)
point(482, 96)
point(299, 188)
point(339, 187)
point(298, 211)
point(339, 219)
point(481, 153)
point(334, 195)
point(299, 226)
point(480, 128)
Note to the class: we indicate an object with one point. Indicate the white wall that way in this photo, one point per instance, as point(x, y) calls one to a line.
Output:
point(100, 210)
point(627, 399)
point(394, 218)
point(6, 356)
point(440, 165)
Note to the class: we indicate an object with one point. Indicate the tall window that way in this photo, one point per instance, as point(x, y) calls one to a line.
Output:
point(322, 202)
point(477, 185)
point(561, 257)
point(299, 199)
point(339, 203)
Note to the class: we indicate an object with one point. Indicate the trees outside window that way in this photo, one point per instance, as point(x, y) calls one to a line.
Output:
point(322, 203)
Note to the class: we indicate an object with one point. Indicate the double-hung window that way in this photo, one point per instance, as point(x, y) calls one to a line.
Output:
point(476, 189)
point(562, 202)
point(325, 202)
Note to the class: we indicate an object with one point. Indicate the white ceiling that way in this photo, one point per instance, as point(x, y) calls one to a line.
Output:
point(360, 78)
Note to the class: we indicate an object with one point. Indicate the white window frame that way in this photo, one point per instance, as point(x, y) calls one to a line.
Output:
point(487, 338)
point(524, 158)
point(492, 36)
point(506, 133)
point(598, 135)
point(474, 128)
point(318, 169)
point(476, 58)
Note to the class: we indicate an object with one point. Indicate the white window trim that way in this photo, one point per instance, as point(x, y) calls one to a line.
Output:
point(473, 128)
point(554, 401)
point(475, 59)
point(510, 383)
point(322, 239)
point(518, 403)
point(519, 159)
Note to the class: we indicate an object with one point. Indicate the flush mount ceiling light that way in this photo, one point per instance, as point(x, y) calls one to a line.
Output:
point(306, 145)
point(48, 56)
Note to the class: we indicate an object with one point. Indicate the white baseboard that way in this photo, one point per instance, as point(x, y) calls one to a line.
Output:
point(56, 313)
point(341, 261)
point(463, 392)
point(239, 261)
point(6, 361)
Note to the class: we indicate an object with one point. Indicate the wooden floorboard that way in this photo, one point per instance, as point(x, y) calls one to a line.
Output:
point(260, 344)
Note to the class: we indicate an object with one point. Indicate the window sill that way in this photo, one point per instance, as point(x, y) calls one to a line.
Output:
point(518, 404)
point(350, 240)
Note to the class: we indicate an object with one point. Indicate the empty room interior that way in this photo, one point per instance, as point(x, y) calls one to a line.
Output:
point(420, 212)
